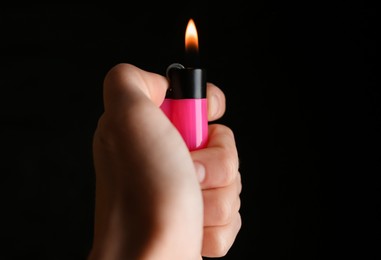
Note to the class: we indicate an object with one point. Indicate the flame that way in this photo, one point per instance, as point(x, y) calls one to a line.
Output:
point(191, 37)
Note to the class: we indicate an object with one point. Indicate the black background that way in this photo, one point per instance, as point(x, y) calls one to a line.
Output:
point(302, 99)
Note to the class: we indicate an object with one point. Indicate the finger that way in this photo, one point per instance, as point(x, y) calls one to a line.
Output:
point(131, 100)
point(219, 158)
point(221, 204)
point(124, 82)
point(216, 102)
point(218, 240)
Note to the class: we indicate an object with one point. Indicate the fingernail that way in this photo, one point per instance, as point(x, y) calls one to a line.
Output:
point(212, 106)
point(200, 171)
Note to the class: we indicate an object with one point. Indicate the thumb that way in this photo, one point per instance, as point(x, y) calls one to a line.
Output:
point(124, 81)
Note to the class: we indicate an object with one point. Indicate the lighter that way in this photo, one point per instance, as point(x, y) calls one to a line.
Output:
point(185, 103)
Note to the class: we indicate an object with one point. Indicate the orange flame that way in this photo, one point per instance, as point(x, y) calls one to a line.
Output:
point(191, 37)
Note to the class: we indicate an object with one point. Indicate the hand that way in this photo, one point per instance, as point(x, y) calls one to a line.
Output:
point(154, 198)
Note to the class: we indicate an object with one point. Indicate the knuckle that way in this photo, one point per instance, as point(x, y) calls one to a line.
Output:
point(118, 71)
point(116, 77)
point(220, 246)
point(223, 212)
point(229, 163)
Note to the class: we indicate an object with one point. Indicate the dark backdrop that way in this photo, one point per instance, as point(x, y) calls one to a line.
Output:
point(300, 82)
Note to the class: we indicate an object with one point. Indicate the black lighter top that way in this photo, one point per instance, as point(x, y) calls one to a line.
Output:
point(186, 83)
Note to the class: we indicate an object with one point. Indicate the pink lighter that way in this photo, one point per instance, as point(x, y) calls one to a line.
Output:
point(186, 104)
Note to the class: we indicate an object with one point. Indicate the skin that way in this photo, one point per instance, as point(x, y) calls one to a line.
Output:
point(154, 198)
